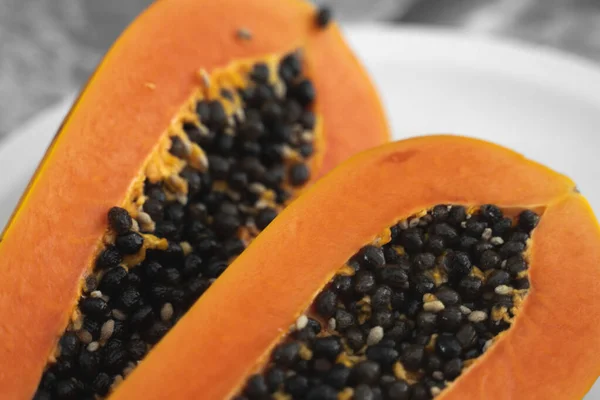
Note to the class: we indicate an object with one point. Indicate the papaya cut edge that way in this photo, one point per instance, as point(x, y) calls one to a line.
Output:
point(143, 89)
point(381, 186)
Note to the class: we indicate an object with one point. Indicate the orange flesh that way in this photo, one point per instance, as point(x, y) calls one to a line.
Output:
point(129, 102)
point(228, 340)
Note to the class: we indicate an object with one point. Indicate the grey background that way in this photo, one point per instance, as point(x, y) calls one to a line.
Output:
point(48, 48)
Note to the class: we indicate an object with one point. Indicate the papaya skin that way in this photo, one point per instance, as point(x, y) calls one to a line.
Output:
point(550, 352)
point(129, 102)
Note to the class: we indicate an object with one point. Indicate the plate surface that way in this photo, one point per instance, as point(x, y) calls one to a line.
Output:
point(540, 102)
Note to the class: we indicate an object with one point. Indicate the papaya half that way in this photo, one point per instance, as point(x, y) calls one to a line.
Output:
point(200, 124)
point(439, 267)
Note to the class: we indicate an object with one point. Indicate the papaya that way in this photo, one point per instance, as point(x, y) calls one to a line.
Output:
point(202, 122)
point(438, 266)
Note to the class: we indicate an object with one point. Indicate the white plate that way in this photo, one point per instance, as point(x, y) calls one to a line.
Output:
point(540, 102)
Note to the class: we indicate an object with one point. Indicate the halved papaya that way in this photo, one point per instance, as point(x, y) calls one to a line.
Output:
point(434, 267)
point(201, 123)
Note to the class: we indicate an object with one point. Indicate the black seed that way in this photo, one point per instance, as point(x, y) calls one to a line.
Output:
point(69, 345)
point(475, 227)
point(218, 167)
point(93, 326)
point(413, 307)
point(528, 220)
point(323, 17)
point(413, 356)
point(93, 307)
point(290, 67)
point(422, 284)
point(392, 256)
point(66, 390)
point(395, 277)
point(129, 298)
point(480, 248)
point(167, 230)
point(501, 227)
point(174, 212)
point(298, 174)
point(440, 213)
point(337, 376)
point(342, 284)
point(169, 276)
point(178, 147)
point(473, 353)
point(285, 355)
point(192, 265)
point(466, 243)
point(322, 392)
point(154, 208)
point(433, 363)
point(355, 338)
point(264, 217)
point(203, 111)
point(115, 356)
point(214, 269)
point(420, 392)
point(510, 249)
point(303, 92)
point(421, 339)
point(469, 287)
point(398, 300)
point(260, 73)
point(109, 258)
point(325, 303)
point(129, 243)
point(343, 320)
point(383, 318)
point(296, 385)
point(456, 215)
point(436, 245)
point(399, 390)
point(218, 117)
point(497, 277)
point(142, 317)
point(371, 257)
point(447, 296)
point(521, 284)
point(275, 378)
point(452, 369)
point(320, 366)
point(491, 213)
point(363, 392)
point(518, 237)
point(382, 298)
point(256, 388)
point(89, 363)
point(153, 334)
point(120, 220)
point(445, 231)
point(489, 260)
point(136, 348)
point(412, 240)
point(426, 321)
point(449, 319)
point(41, 394)
point(101, 383)
point(424, 261)
point(448, 346)
point(364, 282)
point(400, 331)
point(328, 347)
point(467, 336)
point(64, 368)
point(365, 372)
point(306, 150)
point(384, 356)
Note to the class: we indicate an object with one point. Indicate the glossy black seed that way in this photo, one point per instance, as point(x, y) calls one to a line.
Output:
point(64, 368)
point(452, 369)
point(290, 67)
point(518, 237)
point(328, 347)
point(142, 317)
point(399, 390)
point(363, 392)
point(93, 326)
point(422, 284)
point(497, 277)
point(412, 307)
point(364, 282)
point(41, 394)
point(308, 120)
point(136, 348)
point(343, 320)
point(260, 73)
point(433, 363)
point(156, 331)
point(436, 245)
point(214, 269)
point(424, 261)
point(69, 345)
point(303, 92)
point(203, 111)
point(478, 249)
point(382, 355)
point(298, 174)
point(412, 240)
point(66, 390)
point(421, 339)
point(383, 318)
point(322, 392)
point(115, 356)
point(93, 307)
point(366, 372)
point(256, 388)
point(264, 217)
point(178, 147)
point(101, 383)
point(337, 376)
point(400, 331)
point(218, 117)
point(355, 338)
point(296, 385)
point(489, 260)
point(473, 353)
point(420, 392)
point(164, 229)
point(129, 243)
point(169, 276)
point(89, 362)
point(528, 220)
point(467, 336)
point(398, 300)
point(491, 213)
point(323, 17)
point(371, 257)
point(475, 227)
point(466, 243)
point(510, 249)
point(275, 378)
point(342, 285)
point(175, 212)
point(449, 319)
point(286, 354)
point(218, 167)
point(120, 220)
point(426, 321)
point(154, 208)
point(502, 226)
point(456, 215)
point(326, 302)
point(447, 296)
point(521, 284)
point(382, 298)
point(109, 258)
point(192, 265)
point(440, 213)
point(129, 298)
point(395, 277)
point(445, 231)
point(448, 346)
point(413, 356)
point(469, 287)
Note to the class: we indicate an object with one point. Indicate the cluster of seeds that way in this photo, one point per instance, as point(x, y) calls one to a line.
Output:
point(243, 153)
point(409, 315)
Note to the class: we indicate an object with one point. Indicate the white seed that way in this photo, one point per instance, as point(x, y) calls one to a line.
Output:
point(403, 224)
point(434, 306)
point(413, 222)
point(463, 224)
point(144, 218)
point(465, 310)
point(497, 241)
point(105, 297)
point(503, 290)
point(503, 264)
point(301, 322)
point(186, 248)
point(93, 346)
point(205, 78)
point(477, 316)
point(85, 336)
point(166, 312)
point(134, 225)
point(488, 344)
point(118, 314)
point(129, 368)
point(116, 382)
point(331, 324)
point(96, 293)
point(107, 330)
point(487, 234)
point(435, 391)
point(257, 188)
point(375, 335)
point(439, 375)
